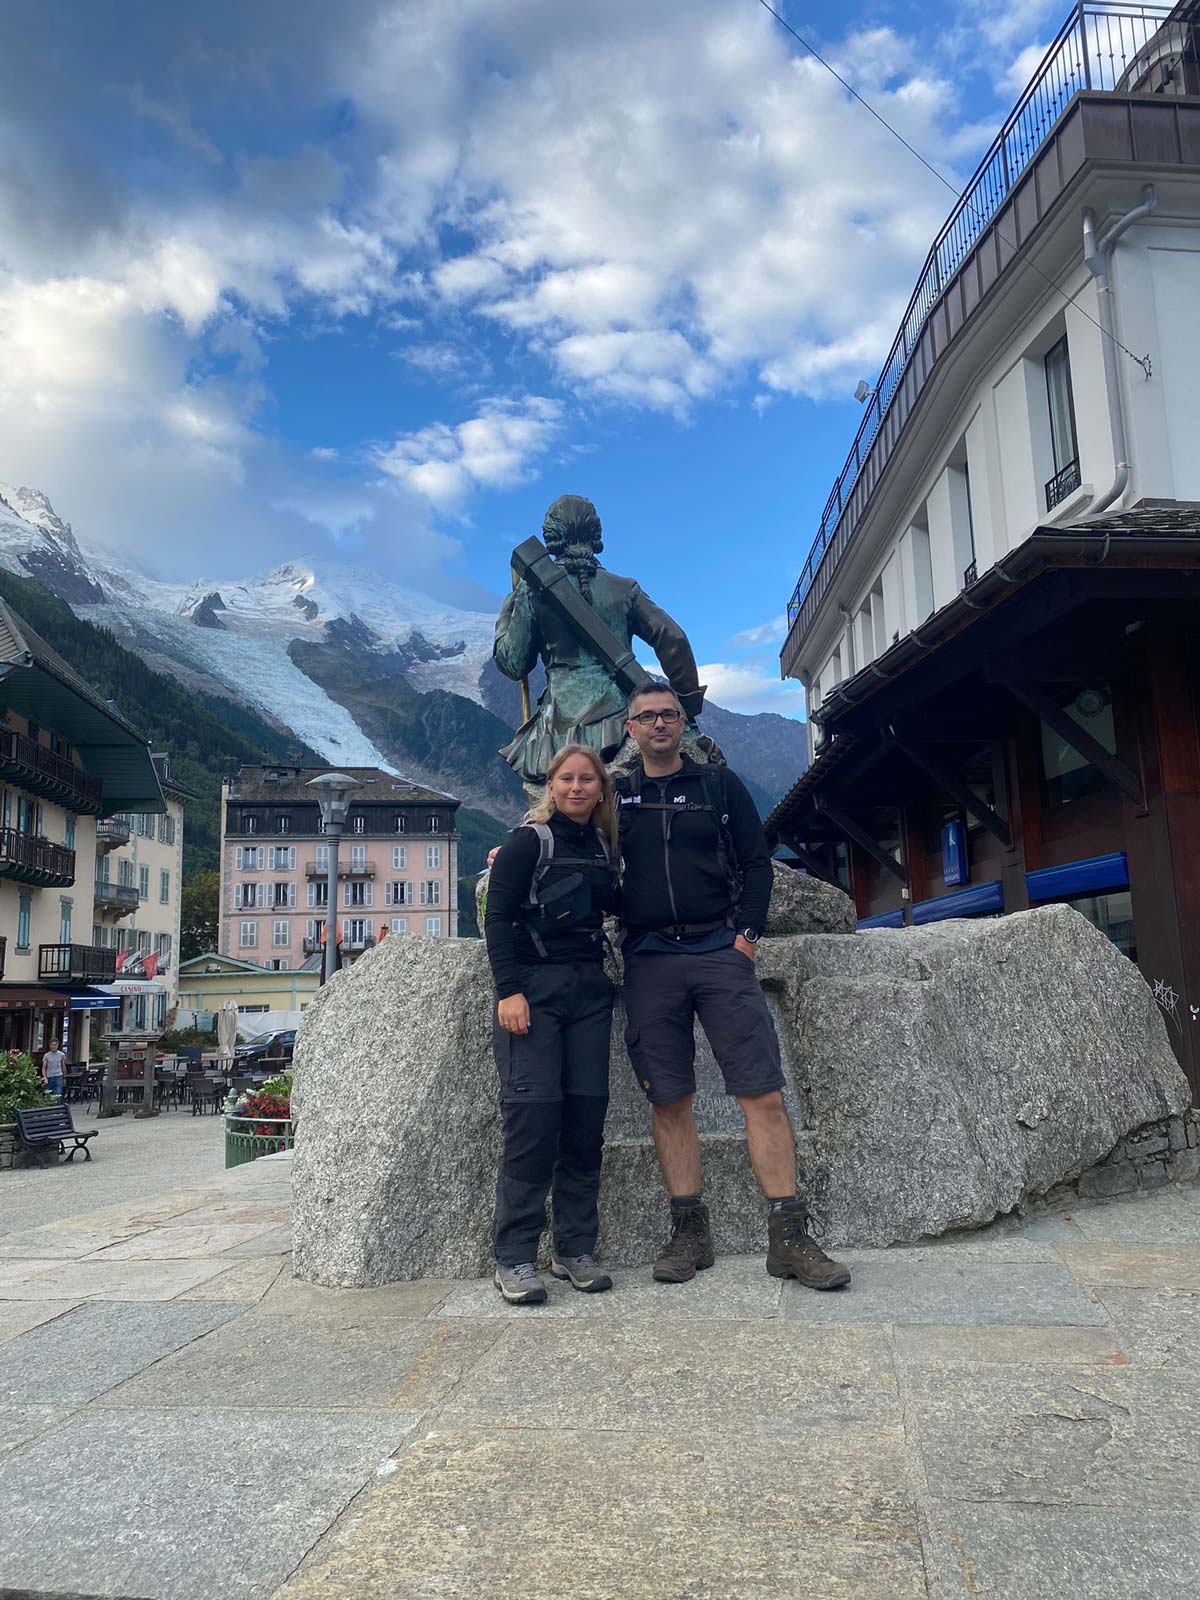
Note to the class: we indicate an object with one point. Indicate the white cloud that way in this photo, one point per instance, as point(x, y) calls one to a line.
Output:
point(745, 688)
point(766, 633)
point(494, 450)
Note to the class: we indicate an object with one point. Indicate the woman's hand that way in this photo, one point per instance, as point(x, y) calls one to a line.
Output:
point(513, 1014)
point(492, 854)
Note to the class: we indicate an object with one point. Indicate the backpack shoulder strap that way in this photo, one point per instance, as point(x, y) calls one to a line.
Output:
point(545, 841)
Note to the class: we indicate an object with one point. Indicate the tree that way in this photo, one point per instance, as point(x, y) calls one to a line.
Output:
point(199, 909)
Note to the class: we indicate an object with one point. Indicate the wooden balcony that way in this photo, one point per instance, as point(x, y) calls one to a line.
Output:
point(29, 859)
point(115, 899)
point(35, 768)
point(111, 834)
point(76, 964)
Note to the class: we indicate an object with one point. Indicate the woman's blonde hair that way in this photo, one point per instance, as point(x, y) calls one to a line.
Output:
point(604, 817)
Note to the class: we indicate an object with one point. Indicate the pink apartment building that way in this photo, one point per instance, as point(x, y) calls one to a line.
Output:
point(397, 865)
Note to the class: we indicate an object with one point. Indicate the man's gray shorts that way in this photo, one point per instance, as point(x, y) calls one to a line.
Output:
point(664, 992)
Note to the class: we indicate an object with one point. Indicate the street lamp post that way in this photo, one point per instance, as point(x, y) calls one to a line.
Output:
point(333, 792)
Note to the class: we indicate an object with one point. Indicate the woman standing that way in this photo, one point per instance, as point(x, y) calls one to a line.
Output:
point(552, 885)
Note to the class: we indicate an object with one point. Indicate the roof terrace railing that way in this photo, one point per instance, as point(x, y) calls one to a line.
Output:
point(1134, 48)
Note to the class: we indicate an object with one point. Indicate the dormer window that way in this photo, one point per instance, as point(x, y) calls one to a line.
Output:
point(401, 822)
point(435, 822)
point(283, 824)
point(249, 824)
point(358, 824)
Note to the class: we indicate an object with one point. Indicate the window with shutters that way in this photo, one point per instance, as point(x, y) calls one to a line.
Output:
point(399, 924)
point(358, 894)
point(358, 857)
point(433, 927)
point(433, 857)
point(431, 892)
point(399, 893)
point(322, 857)
point(399, 857)
point(24, 917)
point(143, 883)
point(248, 935)
point(318, 894)
point(280, 931)
point(164, 887)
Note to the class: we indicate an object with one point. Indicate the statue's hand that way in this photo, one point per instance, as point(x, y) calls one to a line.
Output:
point(693, 702)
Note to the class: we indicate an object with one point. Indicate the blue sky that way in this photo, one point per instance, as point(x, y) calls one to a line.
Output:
point(377, 280)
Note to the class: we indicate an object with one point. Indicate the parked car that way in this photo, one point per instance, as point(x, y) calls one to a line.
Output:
point(272, 1048)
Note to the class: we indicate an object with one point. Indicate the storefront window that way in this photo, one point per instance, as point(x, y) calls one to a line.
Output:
point(1113, 915)
point(1066, 774)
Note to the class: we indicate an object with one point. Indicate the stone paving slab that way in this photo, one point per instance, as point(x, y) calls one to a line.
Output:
point(389, 1364)
point(737, 1289)
point(649, 1377)
point(88, 1350)
point(965, 1344)
point(16, 1272)
point(1172, 1217)
point(999, 1250)
point(181, 1242)
point(293, 1297)
point(19, 1424)
point(952, 1291)
point(268, 1242)
point(18, 1316)
point(245, 1280)
point(113, 1280)
point(222, 1213)
point(499, 1512)
point(1158, 1328)
point(65, 1241)
point(1029, 1553)
point(1134, 1266)
point(183, 1505)
point(1060, 1438)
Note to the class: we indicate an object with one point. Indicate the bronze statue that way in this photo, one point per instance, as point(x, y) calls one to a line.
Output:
point(587, 682)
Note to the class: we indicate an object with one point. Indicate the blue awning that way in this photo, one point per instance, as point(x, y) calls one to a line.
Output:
point(92, 1000)
point(1095, 875)
point(885, 919)
point(978, 900)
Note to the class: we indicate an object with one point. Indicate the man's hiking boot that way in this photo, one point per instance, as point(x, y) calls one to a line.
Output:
point(581, 1272)
point(792, 1252)
point(689, 1247)
point(520, 1285)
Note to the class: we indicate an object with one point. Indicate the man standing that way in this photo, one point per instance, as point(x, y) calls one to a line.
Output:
point(53, 1061)
point(697, 884)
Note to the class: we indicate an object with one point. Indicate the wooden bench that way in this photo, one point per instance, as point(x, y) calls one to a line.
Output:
point(52, 1125)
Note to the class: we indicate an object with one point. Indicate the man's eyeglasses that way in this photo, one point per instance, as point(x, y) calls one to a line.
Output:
point(649, 718)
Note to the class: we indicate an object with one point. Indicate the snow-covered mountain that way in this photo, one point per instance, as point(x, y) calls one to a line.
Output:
point(365, 671)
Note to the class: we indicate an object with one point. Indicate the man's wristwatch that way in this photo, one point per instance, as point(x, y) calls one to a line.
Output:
point(749, 934)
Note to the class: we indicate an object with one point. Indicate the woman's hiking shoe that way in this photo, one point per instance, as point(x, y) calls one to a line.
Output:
point(690, 1246)
point(520, 1285)
point(581, 1272)
point(792, 1252)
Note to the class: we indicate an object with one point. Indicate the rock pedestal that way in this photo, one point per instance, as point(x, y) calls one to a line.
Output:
point(937, 1078)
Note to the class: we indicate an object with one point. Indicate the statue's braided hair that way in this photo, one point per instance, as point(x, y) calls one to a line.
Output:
point(572, 532)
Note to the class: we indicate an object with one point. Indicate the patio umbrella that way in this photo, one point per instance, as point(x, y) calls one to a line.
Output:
point(226, 1033)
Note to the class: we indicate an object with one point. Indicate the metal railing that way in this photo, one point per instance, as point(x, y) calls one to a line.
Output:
point(247, 1138)
point(122, 897)
point(970, 575)
point(38, 768)
point(1063, 483)
point(1132, 48)
point(24, 855)
point(346, 869)
point(111, 833)
point(354, 946)
point(76, 963)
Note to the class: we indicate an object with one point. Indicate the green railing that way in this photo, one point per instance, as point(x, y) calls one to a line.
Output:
point(243, 1141)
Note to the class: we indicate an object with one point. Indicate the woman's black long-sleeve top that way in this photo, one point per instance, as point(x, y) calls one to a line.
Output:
point(509, 944)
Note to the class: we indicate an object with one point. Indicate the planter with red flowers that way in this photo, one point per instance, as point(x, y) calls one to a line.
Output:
point(259, 1122)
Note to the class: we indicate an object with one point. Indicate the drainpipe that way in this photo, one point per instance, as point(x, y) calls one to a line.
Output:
point(1096, 256)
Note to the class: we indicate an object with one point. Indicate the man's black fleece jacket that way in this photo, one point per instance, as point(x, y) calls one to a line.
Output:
point(671, 867)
